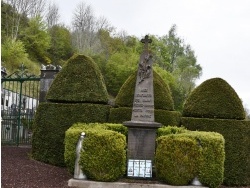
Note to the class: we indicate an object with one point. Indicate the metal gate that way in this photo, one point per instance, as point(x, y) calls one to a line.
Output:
point(19, 100)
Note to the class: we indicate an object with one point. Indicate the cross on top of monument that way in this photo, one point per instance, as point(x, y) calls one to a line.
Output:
point(146, 41)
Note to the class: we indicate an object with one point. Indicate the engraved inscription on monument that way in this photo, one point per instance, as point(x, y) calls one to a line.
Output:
point(143, 106)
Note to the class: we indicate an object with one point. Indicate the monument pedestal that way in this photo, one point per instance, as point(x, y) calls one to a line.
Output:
point(141, 139)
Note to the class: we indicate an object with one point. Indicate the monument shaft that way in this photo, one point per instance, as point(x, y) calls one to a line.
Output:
point(142, 127)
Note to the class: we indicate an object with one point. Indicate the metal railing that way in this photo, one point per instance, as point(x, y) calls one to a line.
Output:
point(19, 100)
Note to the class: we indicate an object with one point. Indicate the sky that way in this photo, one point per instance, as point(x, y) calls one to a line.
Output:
point(217, 30)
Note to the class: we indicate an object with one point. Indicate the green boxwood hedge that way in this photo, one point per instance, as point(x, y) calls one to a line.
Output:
point(237, 145)
point(104, 156)
point(80, 80)
point(165, 117)
point(214, 98)
point(51, 122)
point(182, 157)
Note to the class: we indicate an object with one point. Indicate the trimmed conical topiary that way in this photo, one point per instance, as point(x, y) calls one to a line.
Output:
point(214, 98)
point(162, 94)
point(80, 80)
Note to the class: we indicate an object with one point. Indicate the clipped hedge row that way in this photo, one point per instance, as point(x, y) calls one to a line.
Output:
point(121, 114)
point(51, 122)
point(237, 145)
point(182, 157)
point(103, 157)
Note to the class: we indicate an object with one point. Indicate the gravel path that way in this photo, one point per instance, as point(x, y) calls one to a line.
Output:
point(18, 170)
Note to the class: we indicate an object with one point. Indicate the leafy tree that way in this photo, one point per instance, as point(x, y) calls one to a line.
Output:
point(173, 55)
point(11, 21)
point(52, 15)
point(36, 40)
point(119, 67)
point(60, 47)
point(13, 54)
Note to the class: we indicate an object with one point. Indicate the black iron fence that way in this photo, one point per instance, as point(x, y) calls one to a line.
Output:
point(19, 101)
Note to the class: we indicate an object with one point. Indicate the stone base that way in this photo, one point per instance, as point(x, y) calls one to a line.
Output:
point(141, 139)
point(142, 124)
point(95, 184)
point(141, 143)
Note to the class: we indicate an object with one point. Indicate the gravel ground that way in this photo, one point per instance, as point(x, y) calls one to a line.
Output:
point(18, 170)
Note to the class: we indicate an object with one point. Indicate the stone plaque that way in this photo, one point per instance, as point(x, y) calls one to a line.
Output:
point(139, 168)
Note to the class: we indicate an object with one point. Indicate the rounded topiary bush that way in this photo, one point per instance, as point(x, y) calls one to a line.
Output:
point(162, 94)
point(80, 80)
point(104, 155)
point(182, 155)
point(214, 98)
point(176, 159)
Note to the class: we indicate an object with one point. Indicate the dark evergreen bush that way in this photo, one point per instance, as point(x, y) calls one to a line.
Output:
point(214, 98)
point(80, 80)
point(237, 145)
point(180, 157)
point(51, 122)
point(77, 94)
point(104, 156)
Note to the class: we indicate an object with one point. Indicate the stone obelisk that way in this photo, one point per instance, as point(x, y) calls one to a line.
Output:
point(142, 127)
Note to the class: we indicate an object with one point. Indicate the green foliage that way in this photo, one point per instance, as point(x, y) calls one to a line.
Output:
point(104, 156)
point(80, 80)
point(118, 68)
point(51, 122)
point(182, 156)
point(36, 39)
point(167, 130)
point(165, 117)
point(162, 94)
point(102, 148)
point(237, 145)
point(214, 98)
point(13, 53)
point(176, 159)
point(60, 48)
point(11, 22)
point(172, 54)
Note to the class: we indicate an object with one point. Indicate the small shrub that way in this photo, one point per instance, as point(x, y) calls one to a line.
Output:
point(176, 159)
point(181, 157)
point(73, 133)
point(104, 156)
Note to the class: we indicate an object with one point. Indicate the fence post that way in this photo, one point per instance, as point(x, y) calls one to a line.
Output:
point(3, 72)
point(48, 74)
